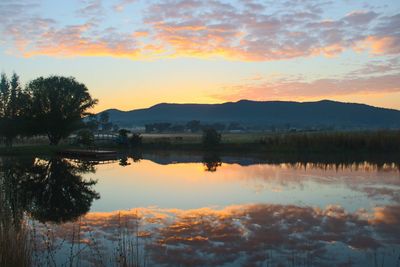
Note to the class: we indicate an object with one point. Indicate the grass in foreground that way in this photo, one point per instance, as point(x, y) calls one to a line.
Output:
point(15, 246)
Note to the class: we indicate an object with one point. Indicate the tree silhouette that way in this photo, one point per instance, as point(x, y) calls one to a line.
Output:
point(58, 105)
point(106, 125)
point(211, 162)
point(50, 190)
point(14, 108)
point(211, 138)
point(194, 126)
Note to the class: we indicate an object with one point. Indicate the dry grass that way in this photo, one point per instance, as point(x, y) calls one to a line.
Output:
point(15, 245)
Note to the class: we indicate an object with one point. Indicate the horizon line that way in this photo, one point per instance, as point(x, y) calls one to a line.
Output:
point(242, 100)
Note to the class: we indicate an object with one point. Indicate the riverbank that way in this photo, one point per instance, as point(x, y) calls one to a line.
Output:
point(317, 142)
point(326, 142)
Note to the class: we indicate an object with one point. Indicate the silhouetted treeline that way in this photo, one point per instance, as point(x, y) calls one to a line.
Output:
point(101, 123)
point(193, 126)
point(52, 106)
point(384, 141)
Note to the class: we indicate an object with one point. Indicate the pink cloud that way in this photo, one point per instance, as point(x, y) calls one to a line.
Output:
point(249, 31)
point(120, 6)
point(263, 90)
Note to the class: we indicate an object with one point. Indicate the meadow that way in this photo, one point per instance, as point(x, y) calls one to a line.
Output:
point(362, 141)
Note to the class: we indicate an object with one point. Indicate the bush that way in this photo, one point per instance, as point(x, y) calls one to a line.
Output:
point(211, 138)
point(135, 140)
point(85, 137)
point(123, 137)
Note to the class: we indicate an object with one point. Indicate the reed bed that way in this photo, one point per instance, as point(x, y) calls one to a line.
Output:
point(15, 244)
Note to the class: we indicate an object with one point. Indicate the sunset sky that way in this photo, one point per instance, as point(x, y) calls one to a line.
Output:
point(136, 53)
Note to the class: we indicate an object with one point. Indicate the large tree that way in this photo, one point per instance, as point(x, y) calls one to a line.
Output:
point(58, 105)
point(14, 108)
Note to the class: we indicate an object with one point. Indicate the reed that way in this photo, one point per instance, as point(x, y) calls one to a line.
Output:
point(15, 244)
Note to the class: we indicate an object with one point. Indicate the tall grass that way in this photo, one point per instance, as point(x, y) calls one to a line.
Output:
point(379, 141)
point(15, 245)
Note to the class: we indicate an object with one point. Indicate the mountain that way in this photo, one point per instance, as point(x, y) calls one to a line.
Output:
point(264, 113)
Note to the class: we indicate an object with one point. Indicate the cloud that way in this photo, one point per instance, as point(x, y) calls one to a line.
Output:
point(379, 67)
point(120, 6)
point(360, 17)
point(247, 30)
point(91, 8)
point(299, 88)
point(247, 234)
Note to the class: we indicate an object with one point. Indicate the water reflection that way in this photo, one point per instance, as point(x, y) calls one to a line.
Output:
point(49, 190)
point(339, 161)
point(208, 210)
point(247, 235)
point(211, 162)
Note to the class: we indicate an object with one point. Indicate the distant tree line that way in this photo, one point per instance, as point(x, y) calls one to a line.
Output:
point(101, 123)
point(52, 106)
point(193, 126)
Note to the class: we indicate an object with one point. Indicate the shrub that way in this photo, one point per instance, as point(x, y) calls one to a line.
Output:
point(123, 137)
point(211, 138)
point(85, 137)
point(135, 140)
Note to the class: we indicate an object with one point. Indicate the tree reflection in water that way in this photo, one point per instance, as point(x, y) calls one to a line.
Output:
point(211, 162)
point(49, 190)
point(241, 235)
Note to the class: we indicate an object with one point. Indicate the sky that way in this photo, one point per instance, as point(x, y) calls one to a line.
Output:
point(136, 53)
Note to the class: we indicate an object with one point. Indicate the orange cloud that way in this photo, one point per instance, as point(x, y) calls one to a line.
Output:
point(243, 233)
point(383, 44)
point(247, 32)
point(299, 89)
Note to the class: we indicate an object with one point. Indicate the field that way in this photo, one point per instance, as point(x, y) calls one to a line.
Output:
point(368, 141)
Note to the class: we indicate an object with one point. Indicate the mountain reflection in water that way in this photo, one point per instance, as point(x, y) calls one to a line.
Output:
point(207, 210)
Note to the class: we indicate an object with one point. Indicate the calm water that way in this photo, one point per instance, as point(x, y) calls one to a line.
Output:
point(206, 210)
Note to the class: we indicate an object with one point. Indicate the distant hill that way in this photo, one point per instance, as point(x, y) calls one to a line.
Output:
point(264, 113)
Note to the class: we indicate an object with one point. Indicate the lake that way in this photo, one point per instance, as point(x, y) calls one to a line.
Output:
point(185, 209)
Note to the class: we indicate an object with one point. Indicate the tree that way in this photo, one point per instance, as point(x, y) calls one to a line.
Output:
point(85, 138)
point(123, 136)
point(211, 138)
point(211, 162)
point(58, 106)
point(135, 140)
point(92, 123)
point(193, 126)
point(149, 128)
point(14, 108)
point(51, 190)
point(106, 125)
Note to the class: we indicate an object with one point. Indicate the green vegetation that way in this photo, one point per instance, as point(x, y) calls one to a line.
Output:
point(379, 141)
point(323, 142)
point(135, 140)
point(85, 137)
point(15, 245)
point(14, 109)
point(58, 106)
point(332, 142)
point(211, 139)
point(193, 126)
point(53, 106)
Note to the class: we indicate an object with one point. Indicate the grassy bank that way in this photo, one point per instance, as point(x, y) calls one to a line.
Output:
point(316, 142)
point(336, 142)
point(30, 150)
